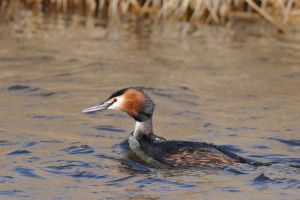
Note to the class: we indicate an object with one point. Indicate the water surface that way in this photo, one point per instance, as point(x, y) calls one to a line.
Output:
point(235, 86)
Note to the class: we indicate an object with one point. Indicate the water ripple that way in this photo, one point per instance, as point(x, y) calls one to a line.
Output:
point(291, 142)
point(23, 171)
point(75, 169)
point(7, 143)
point(19, 152)
point(109, 128)
point(12, 193)
point(35, 91)
point(18, 87)
point(30, 144)
point(4, 179)
point(153, 180)
point(82, 149)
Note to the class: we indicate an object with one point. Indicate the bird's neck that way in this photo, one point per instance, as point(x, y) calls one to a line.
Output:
point(143, 128)
point(142, 131)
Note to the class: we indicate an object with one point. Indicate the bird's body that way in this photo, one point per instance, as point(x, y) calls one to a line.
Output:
point(156, 150)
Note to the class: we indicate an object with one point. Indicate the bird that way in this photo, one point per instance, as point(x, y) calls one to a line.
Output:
point(158, 151)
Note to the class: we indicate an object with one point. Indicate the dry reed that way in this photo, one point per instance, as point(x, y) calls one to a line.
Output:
point(276, 12)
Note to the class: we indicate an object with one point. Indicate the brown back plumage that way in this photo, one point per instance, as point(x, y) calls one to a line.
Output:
point(188, 158)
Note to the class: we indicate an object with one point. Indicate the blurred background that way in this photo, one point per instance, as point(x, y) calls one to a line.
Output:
point(220, 71)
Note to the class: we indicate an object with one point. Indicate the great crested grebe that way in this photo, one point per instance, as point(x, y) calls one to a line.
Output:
point(156, 150)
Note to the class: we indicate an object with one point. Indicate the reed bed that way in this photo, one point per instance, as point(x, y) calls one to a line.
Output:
point(277, 12)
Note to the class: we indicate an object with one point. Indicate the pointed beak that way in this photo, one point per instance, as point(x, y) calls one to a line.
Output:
point(99, 107)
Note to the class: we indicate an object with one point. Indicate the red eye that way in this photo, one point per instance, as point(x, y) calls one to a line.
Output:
point(115, 100)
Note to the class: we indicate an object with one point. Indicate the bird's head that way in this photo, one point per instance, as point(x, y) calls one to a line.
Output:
point(133, 101)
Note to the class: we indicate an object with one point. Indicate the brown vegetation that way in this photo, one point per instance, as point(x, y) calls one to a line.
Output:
point(276, 12)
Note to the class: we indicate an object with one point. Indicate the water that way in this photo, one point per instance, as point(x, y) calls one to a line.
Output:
point(235, 86)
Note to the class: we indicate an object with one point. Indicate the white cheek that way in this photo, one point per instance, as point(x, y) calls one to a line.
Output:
point(118, 104)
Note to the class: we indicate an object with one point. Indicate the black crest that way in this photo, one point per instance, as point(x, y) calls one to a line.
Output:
point(118, 93)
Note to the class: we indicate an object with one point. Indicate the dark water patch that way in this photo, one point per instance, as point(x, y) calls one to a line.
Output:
point(293, 75)
point(51, 141)
point(30, 144)
point(3, 166)
point(277, 158)
point(70, 164)
point(22, 88)
point(206, 125)
point(288, 160)
point(19, 152)
point(154, 180)
point(130, 164)
point(43, 58)
point(295, 166)
point(266, 155)
point(231, 129)
point(186, 112)
point(97, 135)
point(11, 193)
point(233, 135)
point(75, 169)
point(109, 128)
point(229, 189)
point(135, 166)
point(107, 157)
point(86, 174)
point(73, 186)
point(45, 94)
point(7, 143)
point(35, 91)
point(234, 171)
point(8, 59)
point(164, 92)
point(115, 115)
point(23, 171)
point(121, 147)
point(5, 179)
point(263, 179)
point(18, 87)
point(233, 148)
point(34, 116)
point(209, 125)
point(82, 149)
point(185, 88)
point(254, 118)
point(260, 147)
point(33, 159)
point(121, 179)
point(75, 143)
point(293, 184)
point(291, 142)
point(91, 113)
point(161, 94)
point(187, 100)
point(269, 108)
point(248, 128)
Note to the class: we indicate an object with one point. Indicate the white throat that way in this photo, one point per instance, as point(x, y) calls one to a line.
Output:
point(140, 129)
point(143, 128)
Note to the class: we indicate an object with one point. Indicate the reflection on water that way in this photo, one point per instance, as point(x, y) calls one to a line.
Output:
point(232, 86)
